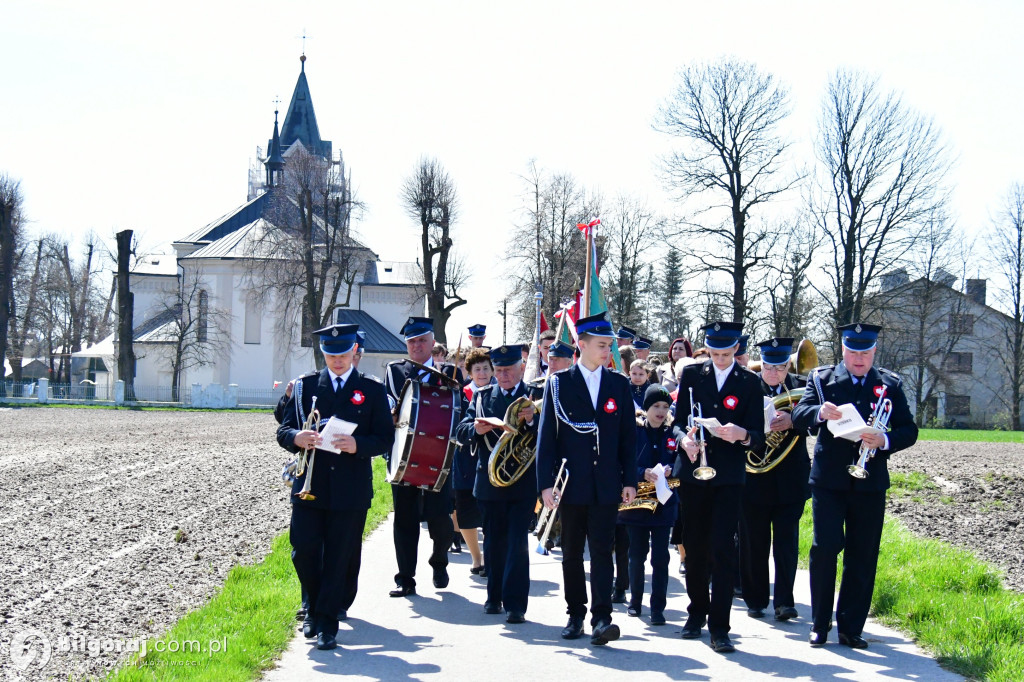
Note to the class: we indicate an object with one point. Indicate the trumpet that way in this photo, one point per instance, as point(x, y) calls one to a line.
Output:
point(547, 516)
point(879, 419)
point(702, 472)
point(646, 496)
point(308, 455)
point(514, 452)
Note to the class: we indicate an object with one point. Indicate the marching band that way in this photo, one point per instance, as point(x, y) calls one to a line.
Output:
point(621, 463)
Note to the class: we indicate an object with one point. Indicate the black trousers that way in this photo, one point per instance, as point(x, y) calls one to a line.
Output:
point(621, 549)
point(712, 514)
point(642, 539)
point(852, 522)
point(768, 528)
point(412, 506)
point(593, 526)
point(326, 552)
point(507, 552)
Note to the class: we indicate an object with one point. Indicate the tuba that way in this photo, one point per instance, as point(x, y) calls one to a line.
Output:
point(514, 452)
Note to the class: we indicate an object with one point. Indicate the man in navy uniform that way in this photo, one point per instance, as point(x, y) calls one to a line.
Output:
point(642, 347)
point(848, 511)
point(588, 420)
point(773, 501)
point(477, 333)
point(326, 531)
point(625, 336)
point(732, 395)
point(508, 510)
point(741, 357)
point(413, 505)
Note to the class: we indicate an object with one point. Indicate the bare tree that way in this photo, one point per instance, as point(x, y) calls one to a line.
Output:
point(1006, 246)
point(10, 219)
point(787, 292)
point(23, 307)
point(303, 254)
point(881, 173)
point(923, 314)
point(629, 234)
point(429, 197)
point(728, 115)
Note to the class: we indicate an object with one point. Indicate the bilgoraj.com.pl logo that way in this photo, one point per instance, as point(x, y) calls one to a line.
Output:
point(30, 649)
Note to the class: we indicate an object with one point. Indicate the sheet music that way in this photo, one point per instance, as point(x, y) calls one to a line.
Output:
point(335, 427)
point(661, 485)
point(769, 413)
point(709, 423)
point(851, 425)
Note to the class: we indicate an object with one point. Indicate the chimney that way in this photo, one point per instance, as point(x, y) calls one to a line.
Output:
point(976, 289)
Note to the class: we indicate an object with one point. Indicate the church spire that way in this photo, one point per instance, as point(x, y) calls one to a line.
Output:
point(275, 161)
point(300, 120)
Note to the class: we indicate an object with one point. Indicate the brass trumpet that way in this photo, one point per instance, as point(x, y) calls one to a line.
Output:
point(703, 472)
point(879, 419)
point(646, 496)
point(514, 452)
point(547, 517)
point(308, 455)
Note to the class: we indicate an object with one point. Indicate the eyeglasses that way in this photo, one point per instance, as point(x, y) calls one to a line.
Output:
point(773, 368)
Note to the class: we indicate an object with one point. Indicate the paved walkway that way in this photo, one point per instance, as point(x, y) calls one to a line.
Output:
point(445, 634)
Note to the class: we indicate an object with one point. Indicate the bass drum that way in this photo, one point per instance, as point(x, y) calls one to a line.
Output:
point(424, 445)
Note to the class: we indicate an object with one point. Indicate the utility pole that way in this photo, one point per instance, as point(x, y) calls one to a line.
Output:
point(504, 320)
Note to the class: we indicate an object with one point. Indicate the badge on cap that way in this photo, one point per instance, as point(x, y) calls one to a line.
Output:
point(334, 332)
point(718, 327)
point(503, 350)
point(775, 343)
point(858, 329)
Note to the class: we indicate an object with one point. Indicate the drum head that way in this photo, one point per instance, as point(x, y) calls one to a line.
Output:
point(404, 430)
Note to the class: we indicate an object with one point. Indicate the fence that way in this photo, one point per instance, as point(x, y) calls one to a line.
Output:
point(142, 393)
point(259, 397)
point(85, 390)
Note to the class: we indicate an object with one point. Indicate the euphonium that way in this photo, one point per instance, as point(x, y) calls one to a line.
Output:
point(880, 420)
point(514, 452)
point(646, 496)
point(778, 444)
point(308, 455)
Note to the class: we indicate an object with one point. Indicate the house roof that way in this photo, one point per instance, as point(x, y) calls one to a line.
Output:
point(378, 339)
point(164, 264)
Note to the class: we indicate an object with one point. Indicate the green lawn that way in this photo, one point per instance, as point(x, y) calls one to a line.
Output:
point(952, 603)
point(252, 618)
point(972, 435)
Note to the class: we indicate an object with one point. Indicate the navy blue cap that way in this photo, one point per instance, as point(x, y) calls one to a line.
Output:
point(506, 356)
point(859, 335)
point(641, 343)
point(776, 350)
point(721, 335)
point(595, 325)
point(741, 348)
point(361, 338)
point(416, 326)
point(478, 330)
point(560, 349)
point(625, 333)
point(337, 338)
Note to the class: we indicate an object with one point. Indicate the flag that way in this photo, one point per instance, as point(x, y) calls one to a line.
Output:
point(543, 323)
point(599, 305)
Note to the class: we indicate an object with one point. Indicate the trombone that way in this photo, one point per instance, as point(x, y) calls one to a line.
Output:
point(547, 517)
point(308, 455)
point(702, 472)
point(880, 420)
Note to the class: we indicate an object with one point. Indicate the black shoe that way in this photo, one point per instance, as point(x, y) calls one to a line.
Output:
point(682, 568)
point(633, 610)
point(343, 614)
point(755, 613)
point(325, 641)
point(818, 638)
point(737, 591)
point(479, 570)
point(657, 618)
point(308, 631)
point(457, 545)
point(619, 596)
point(692, 628)
point(515, 617)
point(574, 628)
point(492, 608)
point(785, 613)
point(401, 591)
point(440, 578)
point(853, 641)
point(722, 644)
point(300, 615)
point(604, 632)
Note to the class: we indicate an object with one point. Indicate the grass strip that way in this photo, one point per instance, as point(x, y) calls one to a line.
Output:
point(135, 408)
point(952, 603)
point(971, 435)
point(251, 619)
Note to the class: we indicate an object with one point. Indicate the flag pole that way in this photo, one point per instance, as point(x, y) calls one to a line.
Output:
point(588, 272)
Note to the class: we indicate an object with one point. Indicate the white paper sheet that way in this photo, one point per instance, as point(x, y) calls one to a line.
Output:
point(709, 423)
point(661, 485)
point(769, 413)
point(335, 427)
point(851, 425)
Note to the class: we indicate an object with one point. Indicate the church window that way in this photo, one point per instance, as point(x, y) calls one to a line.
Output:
point(253, 319)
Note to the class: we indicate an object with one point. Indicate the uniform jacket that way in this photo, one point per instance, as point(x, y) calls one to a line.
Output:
point(489, 401)
point(600, 464)
point(832, 455)
point(740, 402)
point(340, 481)
point(655, 446)
point(787, 482)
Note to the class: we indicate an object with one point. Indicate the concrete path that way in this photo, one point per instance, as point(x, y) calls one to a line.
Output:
point(445, 634)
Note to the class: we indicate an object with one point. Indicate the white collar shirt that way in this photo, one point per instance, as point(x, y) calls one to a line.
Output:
point(593, 380)
point(344, 377)
point(722, 374)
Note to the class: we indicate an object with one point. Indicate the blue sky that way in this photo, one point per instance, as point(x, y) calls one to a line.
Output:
point(146, 116)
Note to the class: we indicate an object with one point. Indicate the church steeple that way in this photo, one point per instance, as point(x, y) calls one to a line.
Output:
point(275, 162)
point(300, 120)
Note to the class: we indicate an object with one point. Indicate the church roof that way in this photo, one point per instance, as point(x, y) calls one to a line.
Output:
point(300, 121)
point(229, 222)
point(378, 339)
